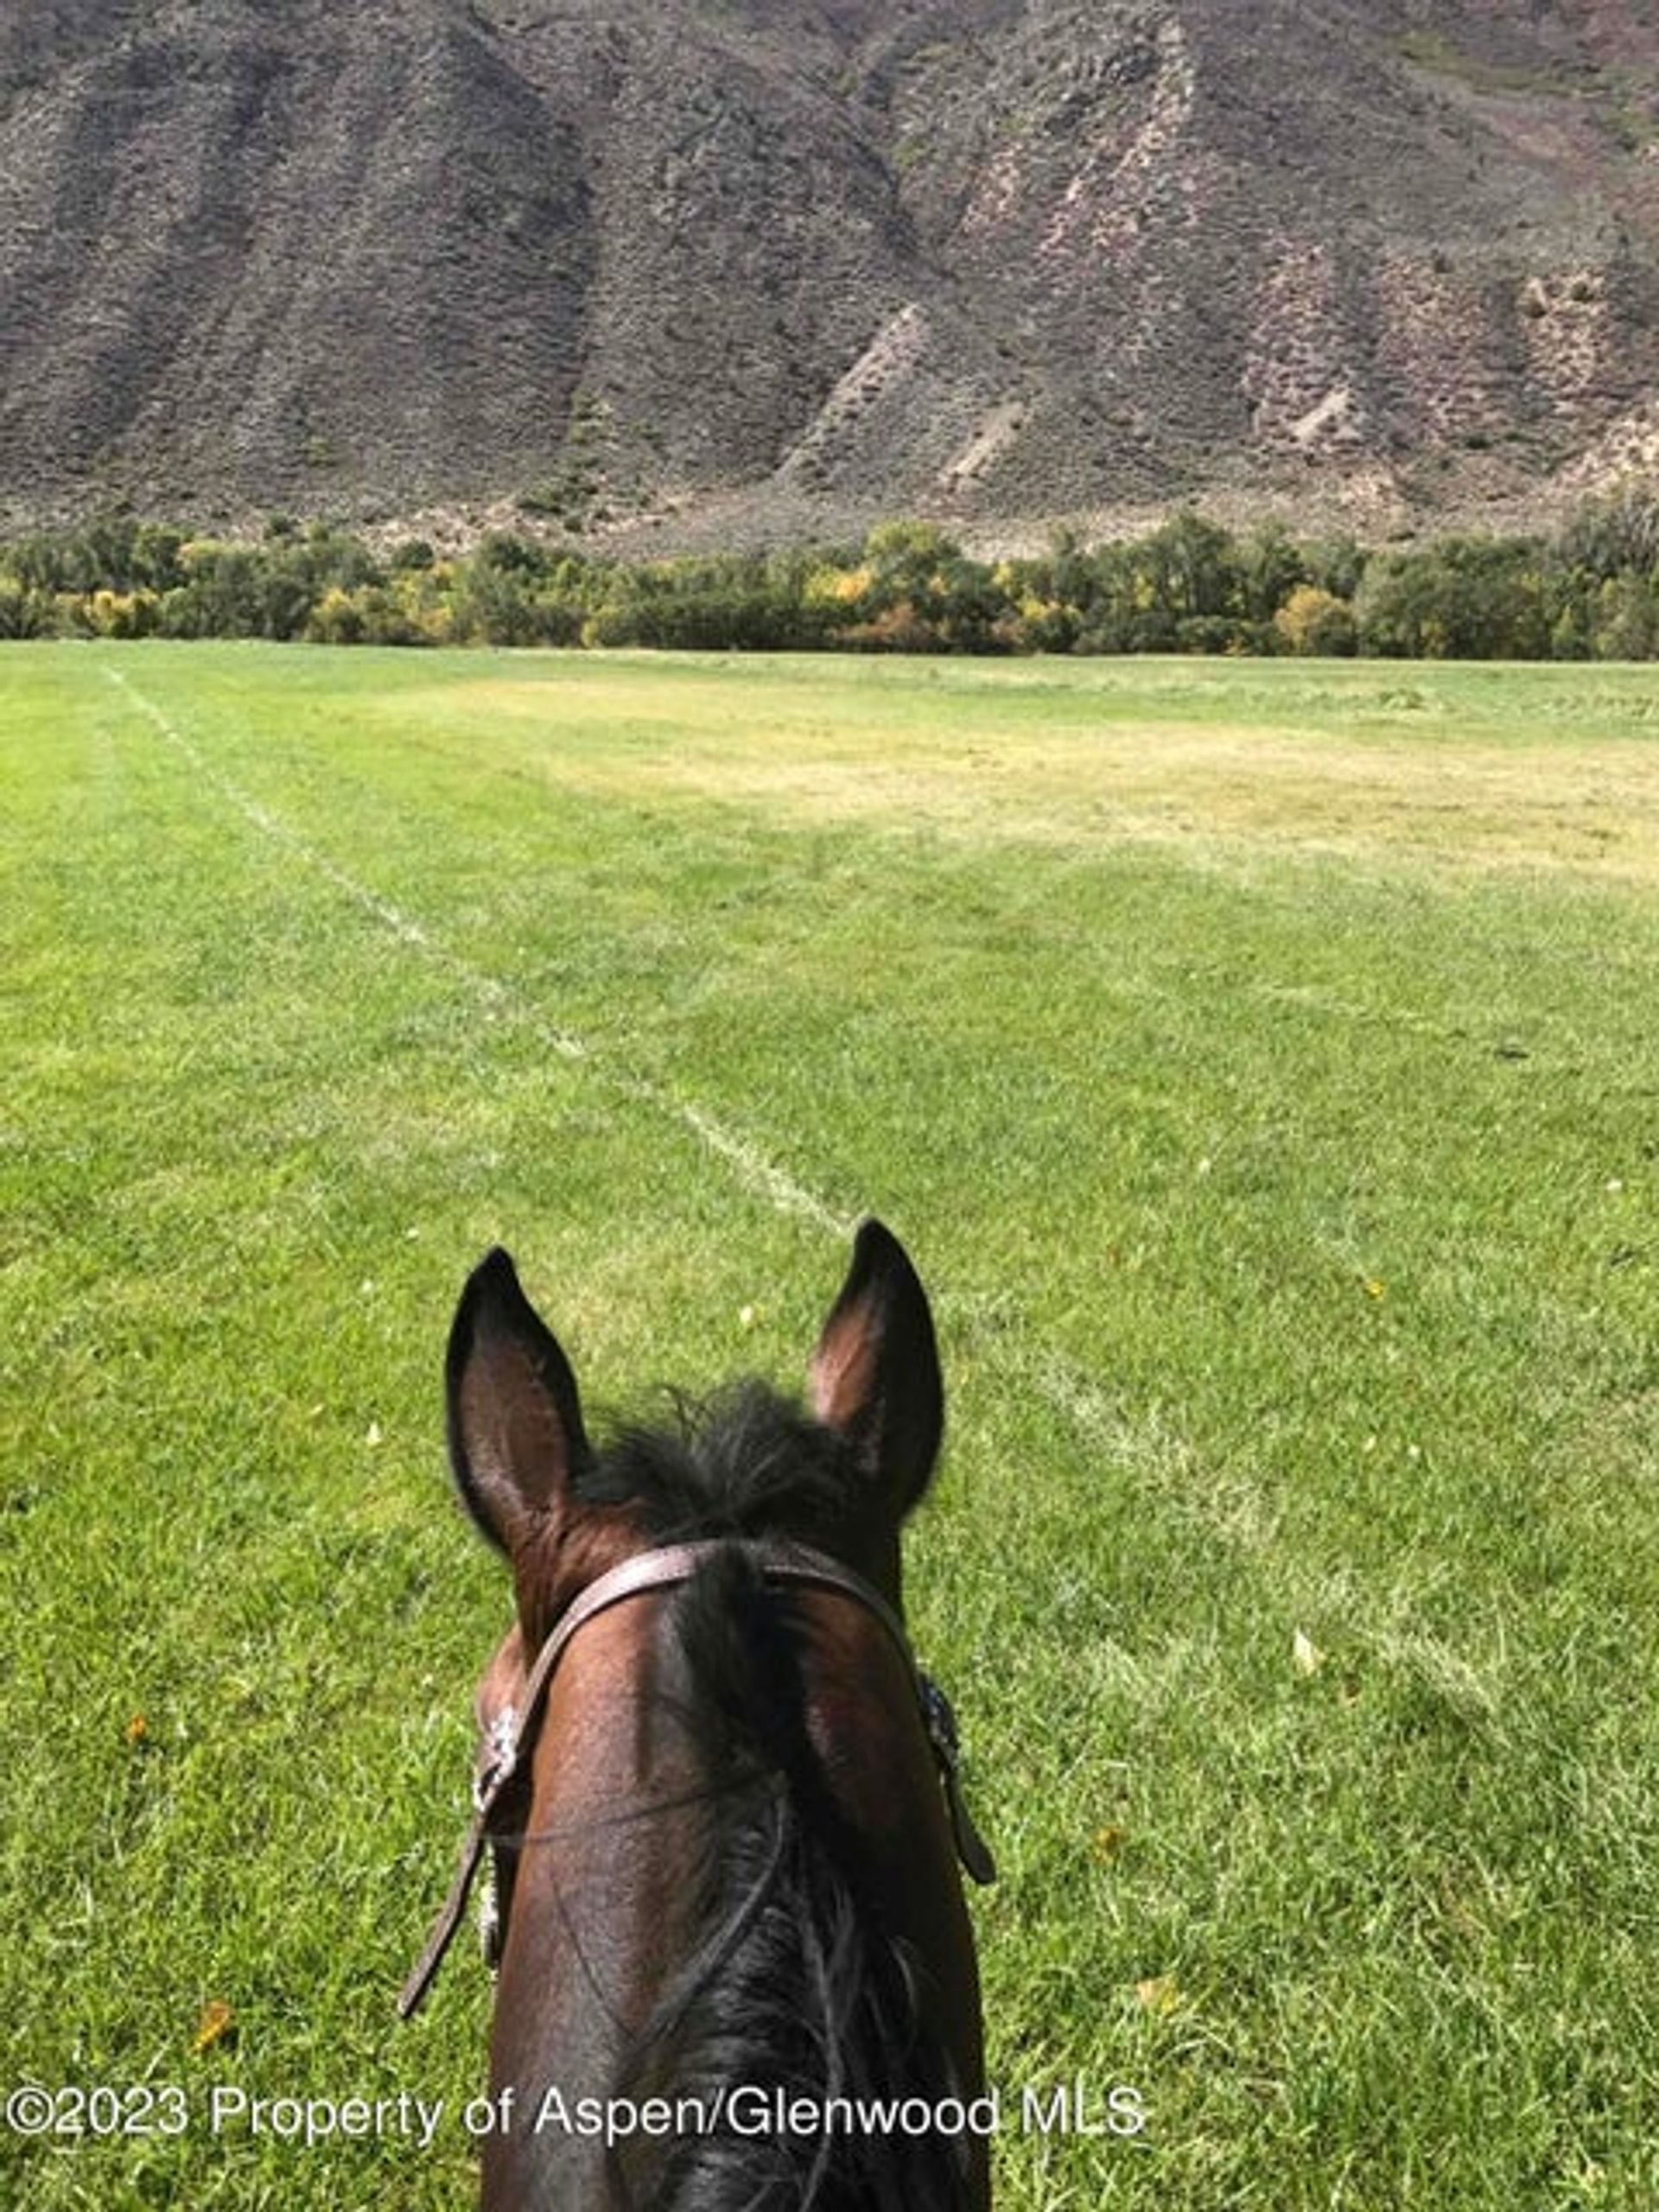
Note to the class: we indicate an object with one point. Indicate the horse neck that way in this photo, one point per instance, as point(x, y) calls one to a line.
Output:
point(609, 1901)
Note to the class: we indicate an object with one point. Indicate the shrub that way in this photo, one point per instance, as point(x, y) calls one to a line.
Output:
point(123, 615)
point(25, 612)
point(338, 619)
point(1315, 621)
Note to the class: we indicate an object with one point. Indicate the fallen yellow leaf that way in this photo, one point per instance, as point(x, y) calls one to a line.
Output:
point(1306, 1654)
point(215, 2022)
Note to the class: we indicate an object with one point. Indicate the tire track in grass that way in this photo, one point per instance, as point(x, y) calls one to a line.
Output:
point(760, 1174)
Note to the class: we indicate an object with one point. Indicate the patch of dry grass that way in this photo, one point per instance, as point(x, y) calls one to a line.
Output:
point(1381, 787)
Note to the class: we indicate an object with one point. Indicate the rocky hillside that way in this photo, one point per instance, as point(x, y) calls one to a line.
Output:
point(765, 266)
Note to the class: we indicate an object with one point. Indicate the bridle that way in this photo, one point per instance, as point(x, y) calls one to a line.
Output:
point(512, 1731)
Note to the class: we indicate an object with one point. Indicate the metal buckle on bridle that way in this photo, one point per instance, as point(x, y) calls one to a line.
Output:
point(656, 1570)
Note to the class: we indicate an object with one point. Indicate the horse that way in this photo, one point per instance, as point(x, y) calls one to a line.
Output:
point(734, 1964)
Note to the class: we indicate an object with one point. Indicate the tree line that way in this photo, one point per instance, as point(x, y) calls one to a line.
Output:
point(1588, 590)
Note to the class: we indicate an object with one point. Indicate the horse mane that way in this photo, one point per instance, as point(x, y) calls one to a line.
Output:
point(744, 1463)
point(792, 1985)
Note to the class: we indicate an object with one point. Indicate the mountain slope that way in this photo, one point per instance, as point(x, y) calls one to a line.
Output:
point(808, 261)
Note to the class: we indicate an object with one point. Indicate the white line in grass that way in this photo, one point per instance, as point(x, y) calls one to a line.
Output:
point(763, 1177)
point(1073, 1392)
point(1148, 1443)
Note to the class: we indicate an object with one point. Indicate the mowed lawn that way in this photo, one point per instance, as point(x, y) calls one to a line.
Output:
point(1260, 1064)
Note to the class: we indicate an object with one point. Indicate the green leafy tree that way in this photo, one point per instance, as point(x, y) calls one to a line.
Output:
point(1190, 567)
point(1626, 625)
point(1461, 599)
point(1268, 567)
point(1616, 534)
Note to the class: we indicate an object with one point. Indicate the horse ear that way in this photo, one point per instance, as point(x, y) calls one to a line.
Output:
point(875, 1374)
point(516, 1439)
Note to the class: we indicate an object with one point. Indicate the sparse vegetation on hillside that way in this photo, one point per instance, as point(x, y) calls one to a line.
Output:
point(638, 266)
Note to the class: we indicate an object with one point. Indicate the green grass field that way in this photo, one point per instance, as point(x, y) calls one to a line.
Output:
point(1260, 1062)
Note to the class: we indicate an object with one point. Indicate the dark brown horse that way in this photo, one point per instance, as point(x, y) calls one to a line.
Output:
point(735, 1968)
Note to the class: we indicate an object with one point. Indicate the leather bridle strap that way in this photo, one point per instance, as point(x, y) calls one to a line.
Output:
point(662, 1569)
